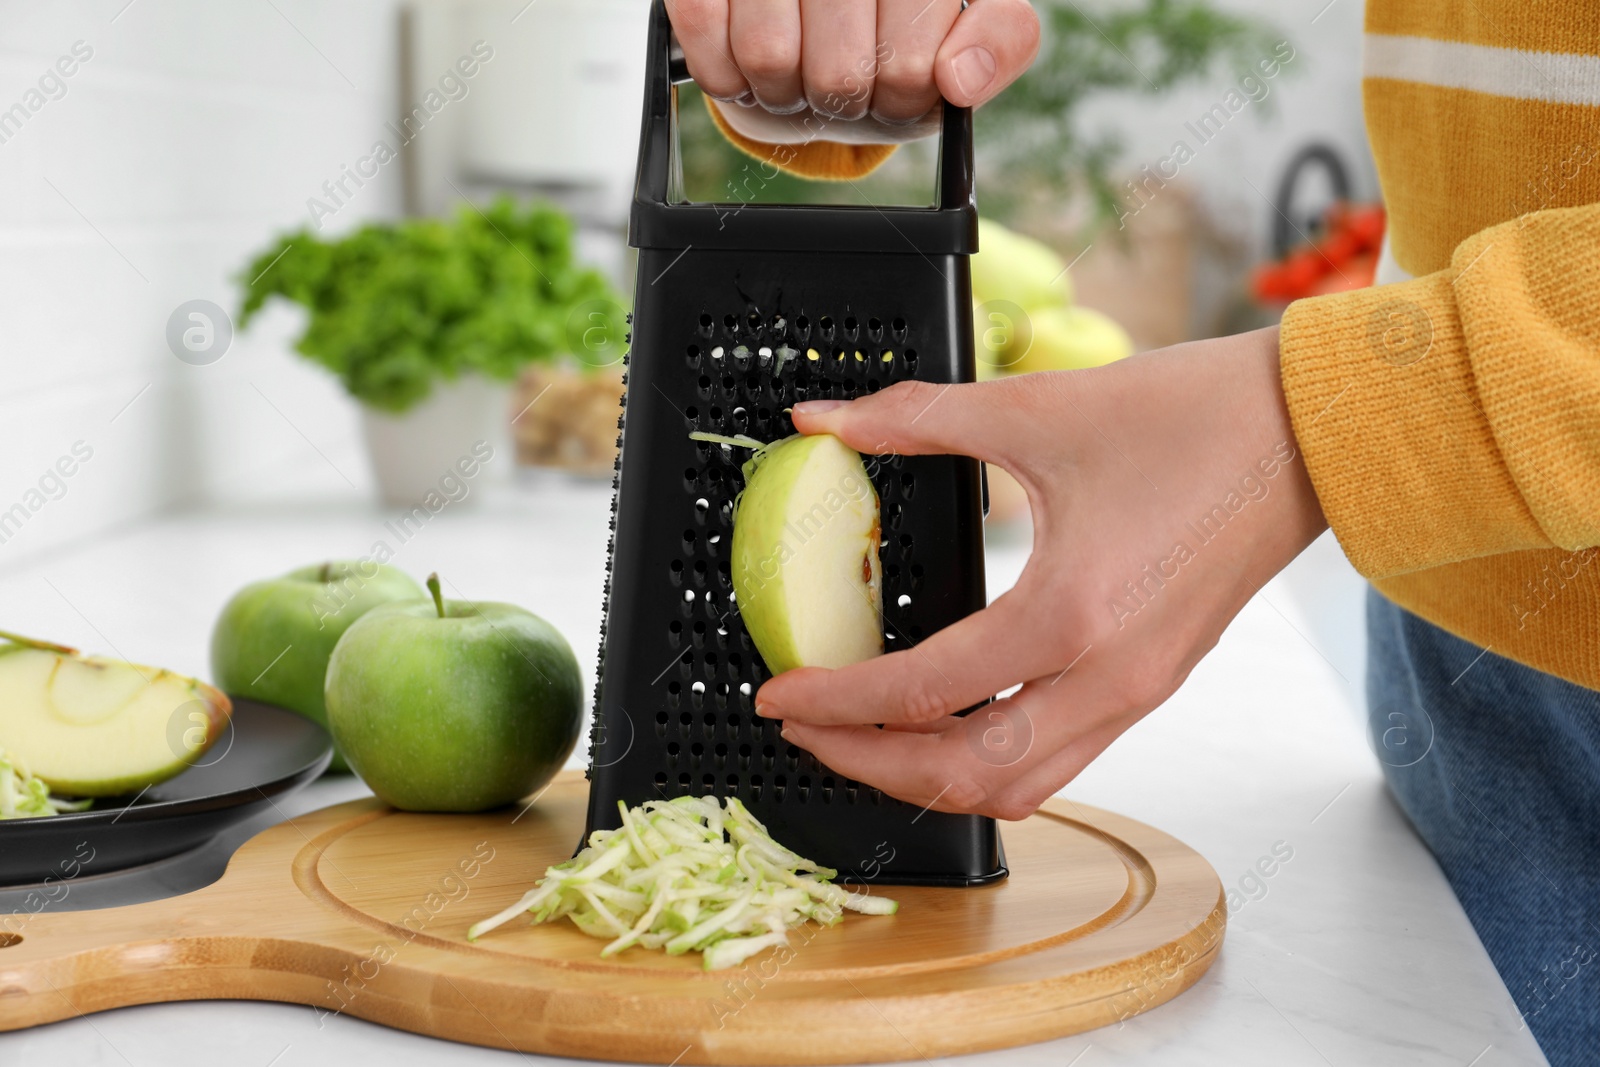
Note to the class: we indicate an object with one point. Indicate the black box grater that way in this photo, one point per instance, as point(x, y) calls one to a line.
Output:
point(728, 304)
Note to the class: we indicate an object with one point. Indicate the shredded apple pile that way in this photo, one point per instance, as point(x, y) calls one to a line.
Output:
point(688, 875)
point(22, 796)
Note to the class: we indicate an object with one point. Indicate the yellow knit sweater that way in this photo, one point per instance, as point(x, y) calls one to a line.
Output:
point(1451, 422)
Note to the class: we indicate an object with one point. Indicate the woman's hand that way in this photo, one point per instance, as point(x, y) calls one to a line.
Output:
point(1165, 489)
point(857, 70)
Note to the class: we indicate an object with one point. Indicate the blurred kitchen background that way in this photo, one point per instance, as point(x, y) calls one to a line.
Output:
point(162, 160)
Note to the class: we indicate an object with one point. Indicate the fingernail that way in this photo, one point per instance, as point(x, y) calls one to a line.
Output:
point(817, 407)
point(974, 70)
point(745, 99)
point(766, 711)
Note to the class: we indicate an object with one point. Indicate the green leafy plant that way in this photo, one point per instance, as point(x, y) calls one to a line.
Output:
point(1031, 138)
point(395, 307)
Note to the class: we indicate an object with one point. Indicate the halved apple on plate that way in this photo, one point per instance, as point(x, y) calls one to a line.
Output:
point(805, 569)
point(89, 726)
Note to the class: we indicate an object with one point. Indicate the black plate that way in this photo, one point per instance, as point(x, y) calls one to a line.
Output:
point(265, 753)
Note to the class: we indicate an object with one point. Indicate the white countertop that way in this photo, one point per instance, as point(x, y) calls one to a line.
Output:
point(1353, 952)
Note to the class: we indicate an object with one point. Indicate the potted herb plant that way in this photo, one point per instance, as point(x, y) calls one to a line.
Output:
point(427, 322)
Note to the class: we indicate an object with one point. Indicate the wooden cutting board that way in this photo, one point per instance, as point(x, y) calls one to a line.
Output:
point(364, 910)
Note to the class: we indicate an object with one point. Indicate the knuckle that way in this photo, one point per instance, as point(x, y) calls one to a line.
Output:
point(923, 702)
point(840, 91)
point(965, 794)
point(906, 77)
point(692, 13)
point(766, 53)
point(1145, 684)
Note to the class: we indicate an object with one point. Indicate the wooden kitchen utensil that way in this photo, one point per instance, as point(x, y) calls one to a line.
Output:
point(363, 910)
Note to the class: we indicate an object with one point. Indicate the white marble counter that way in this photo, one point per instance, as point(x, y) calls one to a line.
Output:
point(1353, 952)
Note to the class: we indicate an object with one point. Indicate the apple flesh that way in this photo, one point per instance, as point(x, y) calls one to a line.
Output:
point(273, 640)
point(93, 727)
point(454, 705)
point(806, 575)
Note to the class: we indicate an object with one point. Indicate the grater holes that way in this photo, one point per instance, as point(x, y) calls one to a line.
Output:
point(683, 784)
point(827, 790)
point(917, 572)
point(673, 751)
point(708, 784)
point(908, 485)
point(904, 601)
point(693, 355)
point(661, 782)
point(851, 327)
point(898, 326)
point(661, 724)
point(744, 757)
point(803, 789)
point(779, 784)
point(874, 330)
point(791, 757)
point(675, 632)
point(719, 756)
point(701, 568)
point(675, 569)
point(730, 326)
point(674, 694)
point(706, 325)
point(702, 508)
point(825, 328)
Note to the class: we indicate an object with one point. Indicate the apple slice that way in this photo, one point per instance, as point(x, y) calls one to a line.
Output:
point(92, 727)
point(805, 567)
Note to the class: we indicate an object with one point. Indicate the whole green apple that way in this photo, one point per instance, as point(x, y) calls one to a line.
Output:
point(454, 705)
point(273, 639)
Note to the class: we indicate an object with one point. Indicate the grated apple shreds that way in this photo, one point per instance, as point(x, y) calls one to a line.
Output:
point(688, 875)
point(22, 796)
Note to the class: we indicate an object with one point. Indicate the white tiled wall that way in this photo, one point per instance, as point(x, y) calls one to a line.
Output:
point(194, 132)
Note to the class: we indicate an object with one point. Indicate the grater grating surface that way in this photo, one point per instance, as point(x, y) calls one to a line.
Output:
point(739, 314)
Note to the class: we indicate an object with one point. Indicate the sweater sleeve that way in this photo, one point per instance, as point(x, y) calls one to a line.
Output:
point(1457, 415)
point(826, 160)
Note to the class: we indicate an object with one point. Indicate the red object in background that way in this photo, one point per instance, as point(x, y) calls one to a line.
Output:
point(1343, 256)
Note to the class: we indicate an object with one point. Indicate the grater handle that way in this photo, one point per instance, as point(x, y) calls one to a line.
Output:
point(949, 226)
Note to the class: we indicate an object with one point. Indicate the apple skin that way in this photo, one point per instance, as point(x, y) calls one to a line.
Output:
point(301, 612)
point(463, 713)
point(1026, 272)
point(1072, 339)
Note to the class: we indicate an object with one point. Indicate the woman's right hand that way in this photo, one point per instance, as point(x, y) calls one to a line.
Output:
point(790, 71)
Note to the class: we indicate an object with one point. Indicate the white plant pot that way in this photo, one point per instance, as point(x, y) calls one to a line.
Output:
point(462, 426)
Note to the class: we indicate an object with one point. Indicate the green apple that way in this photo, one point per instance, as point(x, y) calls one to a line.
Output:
point(454, 705)
point(1009, 266)
point(273, 639)
point(93, 727)
point(805, 555)
point(1072, 339)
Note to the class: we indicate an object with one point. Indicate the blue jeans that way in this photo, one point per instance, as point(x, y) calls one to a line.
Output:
point(1498, 767)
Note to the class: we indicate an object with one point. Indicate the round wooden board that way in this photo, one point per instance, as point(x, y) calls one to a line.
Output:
point(363, 910)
